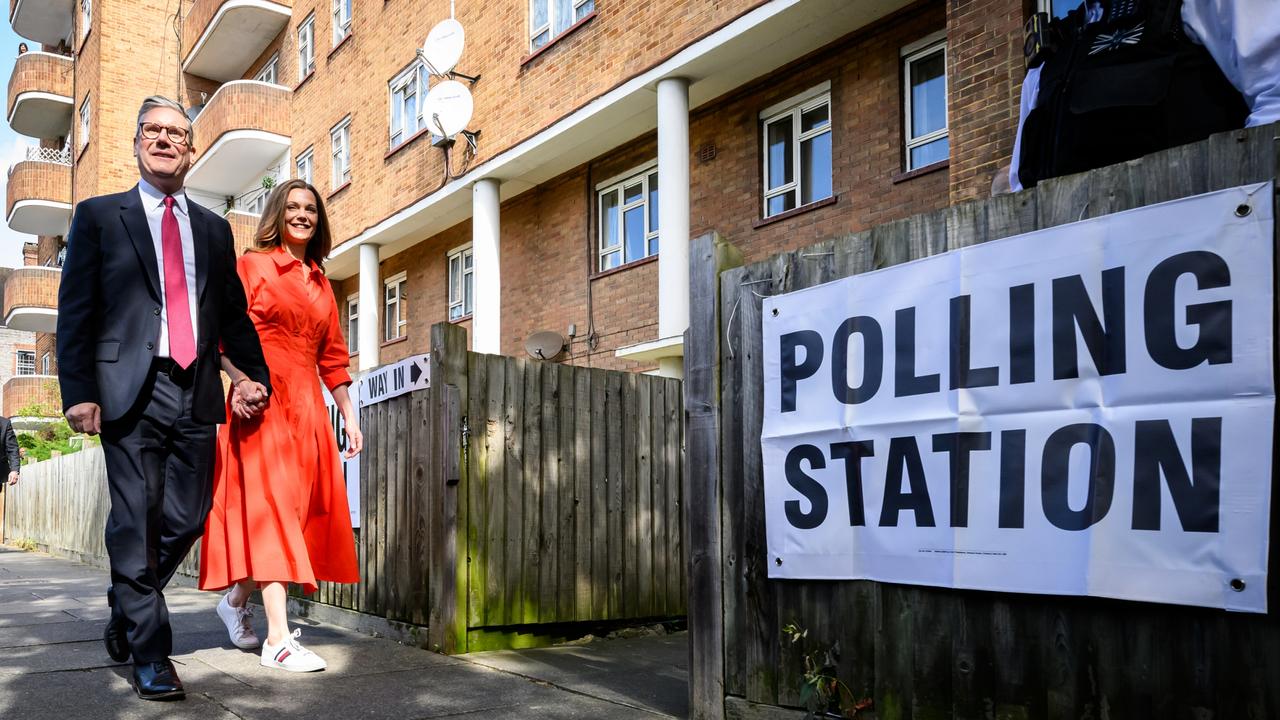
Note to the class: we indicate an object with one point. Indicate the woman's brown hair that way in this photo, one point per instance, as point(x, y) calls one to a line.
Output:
point(271, 226)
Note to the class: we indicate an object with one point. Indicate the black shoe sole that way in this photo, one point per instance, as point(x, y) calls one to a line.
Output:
point(171, 695)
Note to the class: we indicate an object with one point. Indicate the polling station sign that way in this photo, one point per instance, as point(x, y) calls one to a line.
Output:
point(381, 383)
point(1084, 410)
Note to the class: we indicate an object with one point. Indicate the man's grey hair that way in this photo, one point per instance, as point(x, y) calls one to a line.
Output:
point(159, 101)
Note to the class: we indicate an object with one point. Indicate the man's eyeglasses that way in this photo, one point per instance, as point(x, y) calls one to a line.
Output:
point(175, 135)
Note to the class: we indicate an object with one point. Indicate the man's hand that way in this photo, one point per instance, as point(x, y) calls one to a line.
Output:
point(85, 417)
point(13, 477)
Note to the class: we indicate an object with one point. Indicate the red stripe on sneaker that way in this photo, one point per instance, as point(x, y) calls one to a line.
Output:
point(282, 655)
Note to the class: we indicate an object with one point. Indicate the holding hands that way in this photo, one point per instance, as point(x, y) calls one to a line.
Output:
point(248, 398)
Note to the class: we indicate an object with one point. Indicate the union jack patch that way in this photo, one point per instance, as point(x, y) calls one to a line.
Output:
point(1106, 42)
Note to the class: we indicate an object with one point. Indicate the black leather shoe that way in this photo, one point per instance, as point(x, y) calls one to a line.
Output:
point(157, 681)
point(115, 636)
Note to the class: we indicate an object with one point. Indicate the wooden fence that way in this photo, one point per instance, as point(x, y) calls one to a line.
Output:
point(509, 499)
point(926, 652)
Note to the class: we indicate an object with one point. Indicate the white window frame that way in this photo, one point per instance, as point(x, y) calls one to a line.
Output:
point(1046, 6)
point(19, 364)
point(305, 165)
point(794, 107)
point(910, 54)
point(46, 364)
point(415, 77)
point(617, 184)
point(535, 32)
point(458, 299)
point(341, 20)
point(270, 72)
point(353, 323)
point(86, 121)
point(86, 17)
point(340, 153)
point(307, 47)
point(395, 316)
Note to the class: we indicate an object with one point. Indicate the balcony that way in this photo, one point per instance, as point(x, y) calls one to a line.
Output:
point(31, 397)
point(243, 130)
point(226, 36)
point(44, 21)
point(38, 198)
point(31, 299)
point(40, 103)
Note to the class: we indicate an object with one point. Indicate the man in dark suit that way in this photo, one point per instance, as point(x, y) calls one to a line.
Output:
point(149, 301)
point(11, 460)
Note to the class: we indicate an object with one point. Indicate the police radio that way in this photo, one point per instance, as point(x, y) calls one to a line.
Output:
point(1039, 43)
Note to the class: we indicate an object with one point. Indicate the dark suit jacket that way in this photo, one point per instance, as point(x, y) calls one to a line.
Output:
point(10, 459)
point(109, 308)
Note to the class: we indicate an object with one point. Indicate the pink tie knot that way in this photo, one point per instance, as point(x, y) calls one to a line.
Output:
point(169, 201)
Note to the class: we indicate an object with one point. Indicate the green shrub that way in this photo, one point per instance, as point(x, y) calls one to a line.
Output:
point(41, 442)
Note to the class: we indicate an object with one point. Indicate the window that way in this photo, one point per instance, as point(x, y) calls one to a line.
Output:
point(461, 282)
point(340, 138)
point(341, 20)
point(407, 92)
point(84, 122)
point(353, 323)
point(396, 326)
point(46, 364)
point(1059, 8)
point(305, 164)
point(306, 47)
point(924, 105)
point(797, 151)
point(256, 202)
point(86, 16)
point(549, 18)
point(26, 362)
point(268, 72)
point(629, 218)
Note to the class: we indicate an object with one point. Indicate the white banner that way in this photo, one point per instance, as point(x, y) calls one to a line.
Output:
point(1084, 410)
point(381, 383)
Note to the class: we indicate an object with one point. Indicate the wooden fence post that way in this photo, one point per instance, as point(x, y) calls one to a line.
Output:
point(446, 511)
point(710, 255)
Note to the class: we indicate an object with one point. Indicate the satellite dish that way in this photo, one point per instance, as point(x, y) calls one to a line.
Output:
point(544, 345)
point(443, 47)
point(448, 107)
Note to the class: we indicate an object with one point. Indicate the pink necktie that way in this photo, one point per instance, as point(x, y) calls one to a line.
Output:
point(182, 344)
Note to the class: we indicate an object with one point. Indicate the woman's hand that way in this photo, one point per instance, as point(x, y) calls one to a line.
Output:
point(355, 439)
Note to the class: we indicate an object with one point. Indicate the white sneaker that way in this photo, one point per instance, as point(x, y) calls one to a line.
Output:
point(239, 622)
point(290, 655)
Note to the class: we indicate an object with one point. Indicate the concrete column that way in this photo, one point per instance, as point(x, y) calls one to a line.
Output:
point(370, 328)
point(486, 318)
point(673, 207)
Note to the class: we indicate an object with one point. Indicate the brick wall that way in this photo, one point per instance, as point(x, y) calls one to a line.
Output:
point(10, 342)
point(242, 106)
point(39, 72)
point(985, 70)
point(32, 392)
point(37, 180)
point(31, 287)
point(548, 233)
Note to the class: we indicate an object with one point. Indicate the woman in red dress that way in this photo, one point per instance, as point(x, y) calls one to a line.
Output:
point(279, 499)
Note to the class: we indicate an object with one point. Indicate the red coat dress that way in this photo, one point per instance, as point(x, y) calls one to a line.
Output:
point(279, 497)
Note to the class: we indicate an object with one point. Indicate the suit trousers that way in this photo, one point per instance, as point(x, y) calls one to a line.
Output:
point(160, 478)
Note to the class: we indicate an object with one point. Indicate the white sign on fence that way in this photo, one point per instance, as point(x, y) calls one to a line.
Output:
point(1084, 410)
point(382, 383)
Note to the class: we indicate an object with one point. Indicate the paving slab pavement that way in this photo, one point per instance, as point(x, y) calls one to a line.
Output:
point(53, 666)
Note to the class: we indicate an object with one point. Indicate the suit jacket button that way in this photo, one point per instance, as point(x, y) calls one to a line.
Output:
point(156, 311)
point(151, 346)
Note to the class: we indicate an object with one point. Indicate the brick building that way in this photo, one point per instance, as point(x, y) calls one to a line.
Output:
point(605, 130)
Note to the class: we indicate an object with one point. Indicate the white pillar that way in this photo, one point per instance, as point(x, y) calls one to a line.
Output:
point(673, 206)
point(370, 324)
point(486, 318)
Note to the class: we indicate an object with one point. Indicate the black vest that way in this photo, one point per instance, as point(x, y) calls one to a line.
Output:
point(1131, 84)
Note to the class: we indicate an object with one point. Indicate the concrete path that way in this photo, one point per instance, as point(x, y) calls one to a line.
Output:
point(53, 666)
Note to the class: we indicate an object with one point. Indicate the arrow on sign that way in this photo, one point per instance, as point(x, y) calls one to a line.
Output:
point(415, 372)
